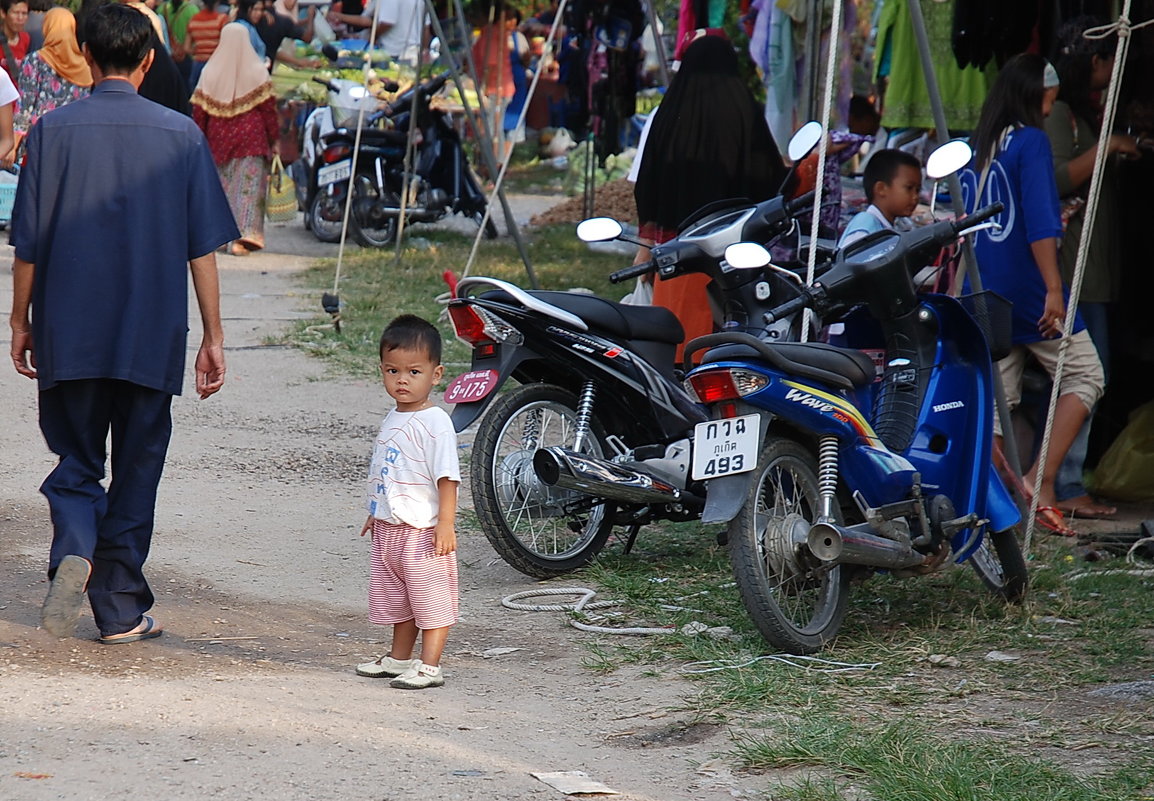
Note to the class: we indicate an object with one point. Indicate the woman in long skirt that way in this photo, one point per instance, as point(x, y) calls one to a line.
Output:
point(235, 105)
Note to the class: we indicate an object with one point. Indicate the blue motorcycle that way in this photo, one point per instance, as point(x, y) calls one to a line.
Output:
point(823, 469)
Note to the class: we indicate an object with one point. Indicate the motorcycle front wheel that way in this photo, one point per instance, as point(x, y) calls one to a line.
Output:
point(1000, 565)
point(796, 602)
point(540, 530)
point(368, 226)
point(323, 205)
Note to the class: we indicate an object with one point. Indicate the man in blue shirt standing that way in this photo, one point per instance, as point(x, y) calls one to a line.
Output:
point(119, 200)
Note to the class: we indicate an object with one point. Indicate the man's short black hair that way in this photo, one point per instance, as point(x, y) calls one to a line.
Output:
point(883, 166)
point(410, 332)
point(118, 37)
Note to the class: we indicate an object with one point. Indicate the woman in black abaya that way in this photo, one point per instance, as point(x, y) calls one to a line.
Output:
point(708, 141)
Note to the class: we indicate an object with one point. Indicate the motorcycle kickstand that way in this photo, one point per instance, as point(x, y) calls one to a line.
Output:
point(632, 537)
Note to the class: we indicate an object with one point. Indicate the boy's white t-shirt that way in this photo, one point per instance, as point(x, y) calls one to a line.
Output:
point(413, 450)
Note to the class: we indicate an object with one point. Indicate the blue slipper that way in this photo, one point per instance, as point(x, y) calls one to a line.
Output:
point(147, 629)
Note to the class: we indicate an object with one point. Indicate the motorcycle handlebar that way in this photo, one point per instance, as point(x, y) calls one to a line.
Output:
point(799, 204)
point(788, 308)
point(979, 216)
point(633, 271)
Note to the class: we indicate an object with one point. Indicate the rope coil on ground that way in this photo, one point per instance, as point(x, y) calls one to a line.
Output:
point(583, 603)
point(811, 663)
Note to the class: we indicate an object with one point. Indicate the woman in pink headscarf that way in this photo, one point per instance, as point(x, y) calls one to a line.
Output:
point(235, 105)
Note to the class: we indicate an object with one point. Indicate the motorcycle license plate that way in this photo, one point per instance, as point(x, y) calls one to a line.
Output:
point(331, 173)
point(725, 447)
point(471, 386)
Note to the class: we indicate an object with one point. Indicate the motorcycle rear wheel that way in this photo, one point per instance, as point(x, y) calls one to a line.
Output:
point(796, 603)
point(540, 530)
point(367, 232)
point(324, 230)
point(1002, 568)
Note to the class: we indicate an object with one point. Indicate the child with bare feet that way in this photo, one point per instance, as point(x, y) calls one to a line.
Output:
point(412, 504)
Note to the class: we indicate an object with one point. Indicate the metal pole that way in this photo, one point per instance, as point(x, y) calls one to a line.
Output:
point(490, 162)
point(658, 42)
point(969, 262)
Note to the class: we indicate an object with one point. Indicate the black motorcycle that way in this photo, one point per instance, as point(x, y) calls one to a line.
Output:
point(599, 432)
point(441, 180)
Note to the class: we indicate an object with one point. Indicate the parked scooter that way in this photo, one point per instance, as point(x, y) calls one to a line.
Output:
point(598, 433)
point(821, 472)
point(441, 180)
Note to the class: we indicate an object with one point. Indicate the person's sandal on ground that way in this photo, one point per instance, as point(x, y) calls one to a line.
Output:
point(147, 629)
point(1052, 519)
point(386, 667)
point(419, 677)
point(65, 596)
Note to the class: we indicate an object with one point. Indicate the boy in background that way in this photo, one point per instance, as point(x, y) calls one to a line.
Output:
point(892, 181)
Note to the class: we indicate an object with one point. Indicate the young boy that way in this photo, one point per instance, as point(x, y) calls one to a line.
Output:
point(892, 180)
point(412, 503)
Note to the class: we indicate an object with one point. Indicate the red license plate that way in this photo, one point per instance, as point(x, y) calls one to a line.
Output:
point(471, 386)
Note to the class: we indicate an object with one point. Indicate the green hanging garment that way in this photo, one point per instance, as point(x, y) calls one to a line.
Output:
point(907, 100)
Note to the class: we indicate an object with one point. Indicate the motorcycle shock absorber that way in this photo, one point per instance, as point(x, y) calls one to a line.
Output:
point(827, 474)
point(584, 415)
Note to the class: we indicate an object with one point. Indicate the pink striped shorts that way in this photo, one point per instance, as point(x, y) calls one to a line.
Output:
point(408, 581)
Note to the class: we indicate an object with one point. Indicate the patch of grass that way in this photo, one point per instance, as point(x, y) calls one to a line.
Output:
point(903, 759)
point(375, 287)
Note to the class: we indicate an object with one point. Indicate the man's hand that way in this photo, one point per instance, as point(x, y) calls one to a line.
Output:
point(368, 526)
point(23, 353)
point(209, 370)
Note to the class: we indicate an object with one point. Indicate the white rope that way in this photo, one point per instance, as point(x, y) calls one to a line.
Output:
point(1110, 572)
point(583, 603)
point(1123, 28)
point(548, 48)
point(811, 663)
point(353, 163)
point(822, 148)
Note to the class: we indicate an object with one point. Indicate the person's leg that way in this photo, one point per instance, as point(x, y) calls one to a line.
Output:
point(141, 429)
point(433, 645)
point(404, 640)
point(1069, 488)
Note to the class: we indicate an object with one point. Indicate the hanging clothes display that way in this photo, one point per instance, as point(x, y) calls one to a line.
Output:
point(906, 102)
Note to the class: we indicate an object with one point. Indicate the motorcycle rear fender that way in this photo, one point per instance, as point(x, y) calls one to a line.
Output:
point(506, 361)
point(725, 496)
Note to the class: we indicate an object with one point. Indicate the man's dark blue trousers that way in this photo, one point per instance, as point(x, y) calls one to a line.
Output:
point(113, 528)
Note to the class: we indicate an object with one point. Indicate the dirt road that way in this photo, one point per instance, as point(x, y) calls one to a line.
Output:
point(260, 578)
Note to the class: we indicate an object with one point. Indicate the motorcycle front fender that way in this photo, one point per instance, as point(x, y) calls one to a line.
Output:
point(507, 360)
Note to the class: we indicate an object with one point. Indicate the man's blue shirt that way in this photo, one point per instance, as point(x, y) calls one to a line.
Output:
point(117, 195)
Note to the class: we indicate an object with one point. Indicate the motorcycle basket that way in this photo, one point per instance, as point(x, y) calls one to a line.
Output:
point(992, 314)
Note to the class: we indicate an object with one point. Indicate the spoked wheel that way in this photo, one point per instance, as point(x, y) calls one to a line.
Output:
point(1000, 565)
point(542, 531)
point(796, 603)
point(323, 217)
point(369, 226)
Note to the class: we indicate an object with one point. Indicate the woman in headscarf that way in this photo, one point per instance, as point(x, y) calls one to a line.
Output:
point(235, 105)
point(54, 75)
point(708, 141)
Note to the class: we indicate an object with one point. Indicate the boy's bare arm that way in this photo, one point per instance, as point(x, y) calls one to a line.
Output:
point(445, 534)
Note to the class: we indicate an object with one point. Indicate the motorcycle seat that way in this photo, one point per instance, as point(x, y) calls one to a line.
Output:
point(618, 320)
point(844, 368)
point(369, 136)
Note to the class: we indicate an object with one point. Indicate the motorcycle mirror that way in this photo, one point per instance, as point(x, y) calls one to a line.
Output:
point(746, 256)
point(598, 229)
point(948, 159)
point(805, 140)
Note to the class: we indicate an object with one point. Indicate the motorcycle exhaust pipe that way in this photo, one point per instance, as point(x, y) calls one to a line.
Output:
point(856, 546)
point(566, 469)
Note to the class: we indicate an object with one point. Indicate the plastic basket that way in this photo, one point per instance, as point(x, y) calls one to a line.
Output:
point(992, 314)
